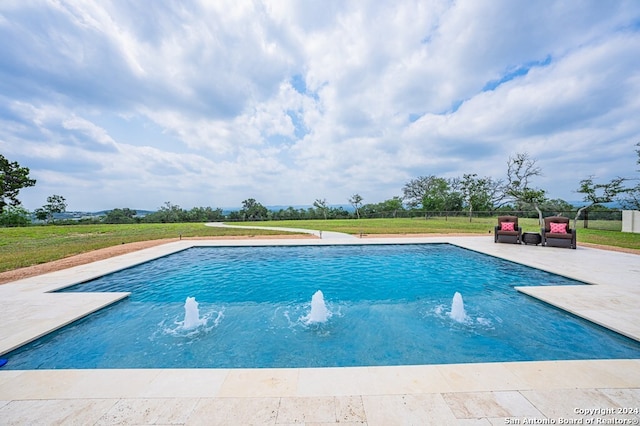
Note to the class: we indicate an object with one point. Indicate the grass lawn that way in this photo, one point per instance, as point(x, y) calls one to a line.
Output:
point(597, 234)
point(32, 245)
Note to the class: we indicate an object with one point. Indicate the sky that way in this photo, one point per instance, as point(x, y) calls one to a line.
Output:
point(115, 104)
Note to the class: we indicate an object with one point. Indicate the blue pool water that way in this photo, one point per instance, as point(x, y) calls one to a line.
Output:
point(388, 305)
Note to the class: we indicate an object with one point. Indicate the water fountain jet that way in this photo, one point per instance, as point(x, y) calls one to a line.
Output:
point(191, 314)
point(457, 308)
point(319, 312)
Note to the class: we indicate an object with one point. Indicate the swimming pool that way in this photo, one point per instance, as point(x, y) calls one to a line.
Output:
point(388, 305)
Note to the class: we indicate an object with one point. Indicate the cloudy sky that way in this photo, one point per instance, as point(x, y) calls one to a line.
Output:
point(208, 103)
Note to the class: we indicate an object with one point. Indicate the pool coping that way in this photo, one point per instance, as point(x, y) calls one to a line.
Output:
point(611, 300)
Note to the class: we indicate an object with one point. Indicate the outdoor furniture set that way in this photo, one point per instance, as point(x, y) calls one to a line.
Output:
point(555, 233)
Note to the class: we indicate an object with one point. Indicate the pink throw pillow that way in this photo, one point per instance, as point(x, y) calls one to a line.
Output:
point(558, 228)
point(507, 226)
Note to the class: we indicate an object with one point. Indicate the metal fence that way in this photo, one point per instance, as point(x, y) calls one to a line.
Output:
point(609, 220)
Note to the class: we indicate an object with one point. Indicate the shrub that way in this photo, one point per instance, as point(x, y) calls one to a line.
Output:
point(14, 216)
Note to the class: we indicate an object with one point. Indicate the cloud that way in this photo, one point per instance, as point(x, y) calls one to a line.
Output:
point(199, 103)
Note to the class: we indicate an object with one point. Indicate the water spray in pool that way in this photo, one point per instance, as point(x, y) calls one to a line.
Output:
point(457, 308)
point(192, 315)
point(319, 312)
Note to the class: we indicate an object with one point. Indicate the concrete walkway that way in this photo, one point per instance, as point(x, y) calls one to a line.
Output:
point(480, 394)
point(325, 235)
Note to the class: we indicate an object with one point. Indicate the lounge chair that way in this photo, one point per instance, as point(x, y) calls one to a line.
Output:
point(557, 232)
point(507, 230)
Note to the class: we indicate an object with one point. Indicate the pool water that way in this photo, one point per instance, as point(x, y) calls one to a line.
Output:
point(387, 305)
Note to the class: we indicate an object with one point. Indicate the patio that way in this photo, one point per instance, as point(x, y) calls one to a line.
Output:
point(495, 393)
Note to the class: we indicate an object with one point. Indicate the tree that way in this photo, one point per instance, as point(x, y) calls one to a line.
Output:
point(14, 216)
point(322, 206)
point(125, 215)
point(337, 213)
point(476, 192)
point(520, 170)
point(356, 202)
point(392, 206)
point(598, 193)
point(12, 179)
point(55, 204)
point(437, 195)
point(41, 214)
point(632, 198)
point(432, 194)
point(387, 208)
point(234, 215)
point(291, 213)
point(415, 191)
point(557, 206)
point(168, 213)
point(253, 210)
point(495, 191)
point(203, 214)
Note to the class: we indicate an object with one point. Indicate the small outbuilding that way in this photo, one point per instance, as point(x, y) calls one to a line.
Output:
point(631, 221)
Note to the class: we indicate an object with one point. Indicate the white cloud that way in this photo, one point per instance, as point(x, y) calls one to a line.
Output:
point(287, 102)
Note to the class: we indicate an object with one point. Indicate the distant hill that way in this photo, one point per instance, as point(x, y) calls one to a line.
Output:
point(613, 205)
point(78, 215)
point(138, 212)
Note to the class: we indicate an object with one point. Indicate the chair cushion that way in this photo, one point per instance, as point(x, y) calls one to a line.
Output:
point(558, 228)
point(507, 226)
point(559, 236)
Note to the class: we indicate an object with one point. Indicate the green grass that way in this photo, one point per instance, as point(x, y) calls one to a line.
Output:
point(388, 226)
point(32, 245)
point(609, 238)
point(600, 232)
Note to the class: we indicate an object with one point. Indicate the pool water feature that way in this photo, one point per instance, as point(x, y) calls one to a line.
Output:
point(457, 308)
point(318, 314)
point(374, 305)
point(192, 315)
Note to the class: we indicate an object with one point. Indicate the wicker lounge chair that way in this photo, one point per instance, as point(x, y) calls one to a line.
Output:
point(561, 235)
point(507, 233)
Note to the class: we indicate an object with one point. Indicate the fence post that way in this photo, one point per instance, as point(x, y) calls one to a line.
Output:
point(586, 219)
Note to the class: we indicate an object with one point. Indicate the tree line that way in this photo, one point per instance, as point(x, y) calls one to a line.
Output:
point(423, 195)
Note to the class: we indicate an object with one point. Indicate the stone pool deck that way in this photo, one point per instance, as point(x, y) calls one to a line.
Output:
point(482, 394)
